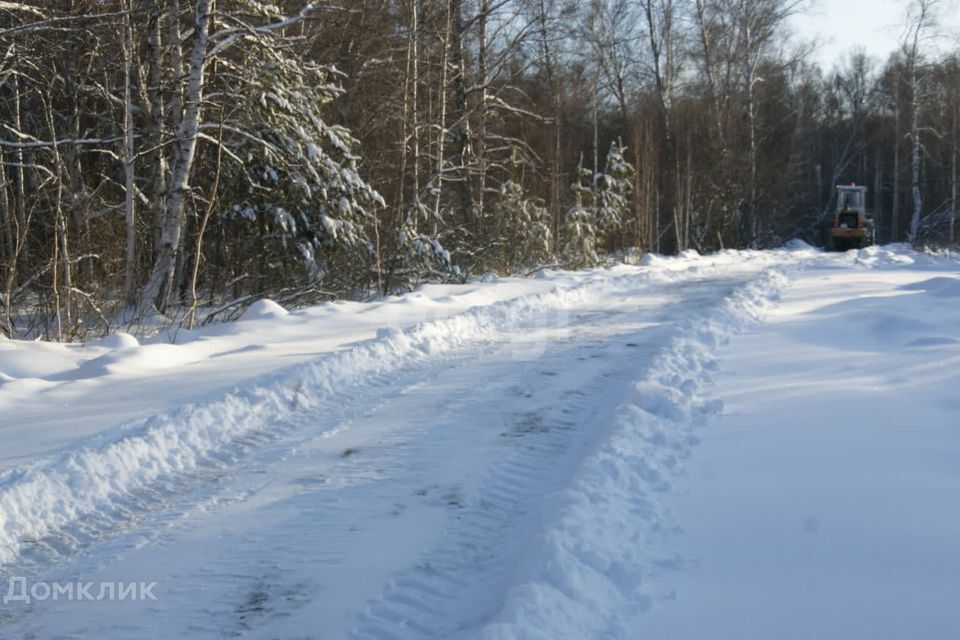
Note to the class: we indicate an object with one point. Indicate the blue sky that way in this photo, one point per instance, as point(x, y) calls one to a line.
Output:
point(877, 25)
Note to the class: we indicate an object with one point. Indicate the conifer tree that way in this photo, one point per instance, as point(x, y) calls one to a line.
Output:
point(613, 189)
point(580, 230)
point(528, 238)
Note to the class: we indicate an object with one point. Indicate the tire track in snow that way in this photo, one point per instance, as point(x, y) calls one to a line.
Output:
point(639, 433)
point(462, 578)
point(152, 504)
point(593, 568)
point(54, 508)
point(151, 470)
point(37, 504)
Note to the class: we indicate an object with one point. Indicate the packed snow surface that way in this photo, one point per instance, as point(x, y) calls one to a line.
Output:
point(739, 445)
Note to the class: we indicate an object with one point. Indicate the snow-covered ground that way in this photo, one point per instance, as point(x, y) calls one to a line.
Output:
point(742, 445)
point(824, 503)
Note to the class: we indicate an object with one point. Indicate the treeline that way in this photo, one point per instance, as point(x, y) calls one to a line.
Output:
point(174, 156)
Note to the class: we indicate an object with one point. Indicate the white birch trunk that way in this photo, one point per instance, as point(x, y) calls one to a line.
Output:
point(158, 289)
point(953, 174)
point(442, 133)
point(415, 110)
point(128, 168)
point(915, 153)
point(481, 146)
point(895, 205)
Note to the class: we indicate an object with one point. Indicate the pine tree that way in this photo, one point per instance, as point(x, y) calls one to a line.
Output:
point(613, 188)
point(420, 254)
point(580, 231)
point(528, 238)
point(299, 180)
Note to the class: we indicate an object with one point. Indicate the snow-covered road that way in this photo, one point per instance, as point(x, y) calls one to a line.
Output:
point(504, 460)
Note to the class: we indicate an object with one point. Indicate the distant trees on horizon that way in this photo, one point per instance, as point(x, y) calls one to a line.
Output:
point(187, 157)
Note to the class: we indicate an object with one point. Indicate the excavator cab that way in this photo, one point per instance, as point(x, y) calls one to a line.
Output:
point(849, 227)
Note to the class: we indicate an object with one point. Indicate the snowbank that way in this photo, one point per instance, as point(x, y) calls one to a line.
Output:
point(941, 287)
point(118, 340)
point(590, 573)
point(264, 310)
point(51, 496)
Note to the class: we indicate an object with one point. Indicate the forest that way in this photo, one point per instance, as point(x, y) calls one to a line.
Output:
point(176, 160)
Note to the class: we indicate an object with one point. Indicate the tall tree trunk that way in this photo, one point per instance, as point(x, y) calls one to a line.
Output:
point(6, 223)
point(707, 50)
point(62, 301)
point(160, 284)
point(156, 106)
point(752, 230)
point(404, 147)
point(415, 109)
point(9, 256)
point(752, 79)
point(688, 201)
point(953, 170)
point(410, 137)
point(922, 17)
point(442, 132)
point(659, 26)
point(915, 154)
point(547, 56)
point(895, 204)
point(677, 210)
point(461, 128)
point(480, 149)
point(877, 191)
point(19, 159)
point(204, 221)
point(129, 197)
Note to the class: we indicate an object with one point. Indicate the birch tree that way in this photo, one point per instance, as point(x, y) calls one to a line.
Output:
point(921, 21)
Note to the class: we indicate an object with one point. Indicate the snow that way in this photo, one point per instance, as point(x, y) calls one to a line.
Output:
point(938, 287)
point(738, 445)
point(264, 310)
point(115, 341)
point(819, 505)
point(588, 576)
